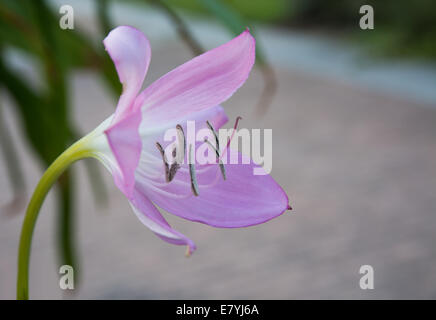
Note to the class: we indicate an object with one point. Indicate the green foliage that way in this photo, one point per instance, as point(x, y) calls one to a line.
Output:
point(258, 10)
point(403, 27)
point(32, 27)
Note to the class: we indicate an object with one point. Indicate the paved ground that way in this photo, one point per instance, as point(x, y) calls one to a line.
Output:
point(358, 167)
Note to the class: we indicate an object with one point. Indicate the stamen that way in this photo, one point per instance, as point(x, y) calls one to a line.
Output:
point(164, 158)
point(174, 166)
point(178, 155)
point(170, 171)
point(231, 137)
point(180, 138)
point(194, 185)
point(223, 170)
point(214, 133)
point(173, 170)
point(220, 163)
point(150, 160)
point(234, 130)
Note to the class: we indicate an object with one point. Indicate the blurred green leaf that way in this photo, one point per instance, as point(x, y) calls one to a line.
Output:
point(32, 27)
point(233, 21)
point(13, 165)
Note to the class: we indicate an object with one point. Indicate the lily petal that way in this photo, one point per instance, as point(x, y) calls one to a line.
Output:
point(130, 51)
point(151, 217)
point(125, 143)
point(243, 199)
point(154, 132)
point(203, 82)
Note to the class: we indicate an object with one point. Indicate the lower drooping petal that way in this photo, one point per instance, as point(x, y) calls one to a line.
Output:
point(151, 217)
point(243, 199)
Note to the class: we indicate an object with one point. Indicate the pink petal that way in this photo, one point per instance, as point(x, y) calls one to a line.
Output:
point(201, 83)
point(126, 145)
point(130, 51)
point(242, 200)
point(154, 132)
point(151, 217)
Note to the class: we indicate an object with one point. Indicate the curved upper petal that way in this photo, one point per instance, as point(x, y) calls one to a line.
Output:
point(203, 82)
point(130, 51)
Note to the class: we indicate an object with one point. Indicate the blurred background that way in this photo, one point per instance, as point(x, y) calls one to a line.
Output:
point(353, 114)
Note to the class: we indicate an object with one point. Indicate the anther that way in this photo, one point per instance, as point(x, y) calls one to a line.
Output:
point(217, 149)
point(231, 137)
point(214, 133)
point(178, 155)
point(238, 118)
point(164, 158)
point(194, 185)
point(181, 138)
point(174, 166)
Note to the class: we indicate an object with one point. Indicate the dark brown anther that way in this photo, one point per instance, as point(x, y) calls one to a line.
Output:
point(174, 166)
point(164, 158)
point(173, 170)
point(178, 155)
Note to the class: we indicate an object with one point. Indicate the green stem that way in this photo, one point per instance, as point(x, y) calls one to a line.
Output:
point(67, 250)
point(76, 152)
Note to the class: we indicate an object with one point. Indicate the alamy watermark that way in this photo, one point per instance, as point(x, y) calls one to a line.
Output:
point(367, 20)
point(210, 146)
point(367, 280)
point(66, 282)
point(67, 19)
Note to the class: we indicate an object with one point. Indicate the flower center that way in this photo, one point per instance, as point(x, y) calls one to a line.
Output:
point(179, 152)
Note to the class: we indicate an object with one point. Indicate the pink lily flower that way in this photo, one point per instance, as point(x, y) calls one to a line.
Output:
point(126, 141)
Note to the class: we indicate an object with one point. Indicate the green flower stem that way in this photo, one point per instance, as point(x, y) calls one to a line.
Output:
point(76, 152)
